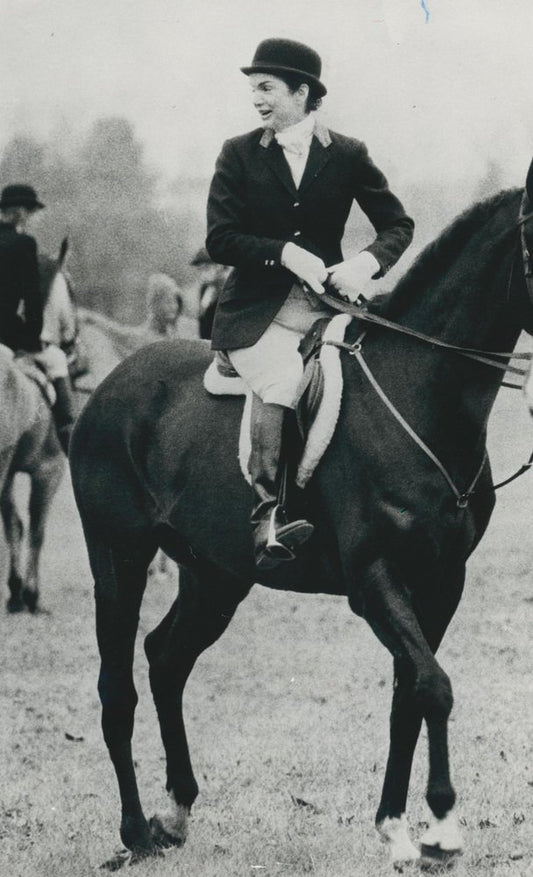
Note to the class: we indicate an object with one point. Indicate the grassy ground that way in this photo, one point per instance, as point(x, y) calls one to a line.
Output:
point(290, 706)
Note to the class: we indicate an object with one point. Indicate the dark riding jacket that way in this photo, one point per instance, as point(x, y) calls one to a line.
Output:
point(19, 282)
point(254, 209)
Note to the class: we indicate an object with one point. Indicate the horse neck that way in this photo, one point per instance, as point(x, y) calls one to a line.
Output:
point(468, 297)
point(59, 318)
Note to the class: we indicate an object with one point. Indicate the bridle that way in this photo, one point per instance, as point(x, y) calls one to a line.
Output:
point(494, 359)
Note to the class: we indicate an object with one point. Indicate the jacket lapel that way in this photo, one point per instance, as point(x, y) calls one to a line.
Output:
point(319, 155)
point(273, 155)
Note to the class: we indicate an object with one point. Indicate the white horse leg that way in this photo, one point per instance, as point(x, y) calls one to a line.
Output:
point(14, 532)
point(44, 485)
point(395, 833)
point(443, 841)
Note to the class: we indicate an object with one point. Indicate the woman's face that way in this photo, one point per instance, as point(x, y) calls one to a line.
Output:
point(278, 107)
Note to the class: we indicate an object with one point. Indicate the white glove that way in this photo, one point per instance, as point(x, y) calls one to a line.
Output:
point(351, 276)
point(305, 265)
point(54, 361)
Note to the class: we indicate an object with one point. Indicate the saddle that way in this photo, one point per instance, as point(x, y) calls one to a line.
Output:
point(319, 394)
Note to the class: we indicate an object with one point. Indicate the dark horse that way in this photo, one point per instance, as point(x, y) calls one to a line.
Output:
point(154, 463)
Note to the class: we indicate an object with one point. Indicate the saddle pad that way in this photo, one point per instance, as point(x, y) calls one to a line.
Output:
point(322, 427)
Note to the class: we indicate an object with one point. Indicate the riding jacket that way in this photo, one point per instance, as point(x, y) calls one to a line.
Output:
point(254, 209)
point(19, 283)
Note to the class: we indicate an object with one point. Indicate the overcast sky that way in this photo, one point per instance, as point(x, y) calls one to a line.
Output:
point(433, 94)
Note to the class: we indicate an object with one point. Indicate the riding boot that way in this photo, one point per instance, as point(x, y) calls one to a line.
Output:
point(63, 411)
point(276, 539)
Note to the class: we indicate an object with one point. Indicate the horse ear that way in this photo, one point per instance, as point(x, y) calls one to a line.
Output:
point(63, 250)
point(529, 183)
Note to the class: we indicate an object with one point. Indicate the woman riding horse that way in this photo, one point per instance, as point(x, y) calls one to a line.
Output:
point(399, 501)
point(20, 285)
point(278, 204)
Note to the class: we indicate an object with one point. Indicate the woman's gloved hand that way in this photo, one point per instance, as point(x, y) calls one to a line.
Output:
point(309, 268)
point(350, 277)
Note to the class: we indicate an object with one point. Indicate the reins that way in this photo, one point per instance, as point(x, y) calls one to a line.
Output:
point(485, 357)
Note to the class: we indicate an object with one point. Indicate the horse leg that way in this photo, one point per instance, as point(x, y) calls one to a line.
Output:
point(44, 484)
point(120, 580)
point(423, 691)
point(206, 604)
point(406, 720)
point(14, 532)
point(405, 724)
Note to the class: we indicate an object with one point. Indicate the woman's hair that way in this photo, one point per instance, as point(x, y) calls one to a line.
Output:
point(293, 82)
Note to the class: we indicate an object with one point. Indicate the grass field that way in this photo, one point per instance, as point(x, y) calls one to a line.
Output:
point(287, 718)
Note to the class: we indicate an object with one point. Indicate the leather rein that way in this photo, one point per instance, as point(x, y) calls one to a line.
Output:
point(494, 359)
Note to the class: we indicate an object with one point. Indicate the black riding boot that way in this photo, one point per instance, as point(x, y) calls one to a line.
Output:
point(275, 538)
point(63, 411)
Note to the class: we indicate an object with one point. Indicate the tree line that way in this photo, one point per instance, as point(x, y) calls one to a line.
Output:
point(102, 193)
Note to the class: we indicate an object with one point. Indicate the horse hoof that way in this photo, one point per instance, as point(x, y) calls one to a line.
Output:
point(436, 859)
point(140, 854)
point(395, 834)
point(15, 604)
point(116, 862)
point(31, 600)
point(442, 844)
point(166, 835)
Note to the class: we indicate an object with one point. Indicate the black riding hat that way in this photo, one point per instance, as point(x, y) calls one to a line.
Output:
point(288, 56)
point(20, 195)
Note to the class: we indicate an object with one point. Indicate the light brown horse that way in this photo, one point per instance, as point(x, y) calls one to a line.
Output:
point(29, 444)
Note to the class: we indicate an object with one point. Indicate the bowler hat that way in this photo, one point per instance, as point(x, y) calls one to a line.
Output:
point(288, 56)
point(20, 195)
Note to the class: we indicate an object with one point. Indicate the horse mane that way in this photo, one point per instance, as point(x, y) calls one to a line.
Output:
point(436, 258)
point(47, 272)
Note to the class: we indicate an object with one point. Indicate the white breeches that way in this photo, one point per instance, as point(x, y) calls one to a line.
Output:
point(273, 368)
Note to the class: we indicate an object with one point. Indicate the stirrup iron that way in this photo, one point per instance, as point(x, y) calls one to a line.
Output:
point(273, 547)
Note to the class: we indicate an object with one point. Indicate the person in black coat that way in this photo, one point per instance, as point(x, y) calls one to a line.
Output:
point(277, 208)
point(21, 304)
point(19, 271)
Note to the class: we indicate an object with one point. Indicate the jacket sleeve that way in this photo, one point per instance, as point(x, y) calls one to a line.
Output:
point(31, 290)
point(227, 239)
point(394, 228)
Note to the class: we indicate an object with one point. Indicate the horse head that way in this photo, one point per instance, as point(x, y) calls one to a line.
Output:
point(59, 316)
